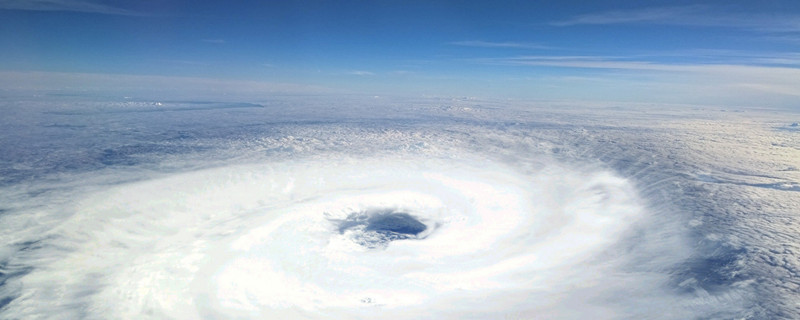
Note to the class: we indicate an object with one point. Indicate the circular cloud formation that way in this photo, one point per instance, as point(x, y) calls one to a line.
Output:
point(376, 238)
point(433, 212)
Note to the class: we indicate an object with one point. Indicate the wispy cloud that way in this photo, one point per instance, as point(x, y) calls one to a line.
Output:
point(655, 60)
point(786, 90)
point(775, 77)
point(360, 73)
point(67, 5)
point(490, 44)
point(215, 41)
point(674, 15)
point(586, 62)
point(628, 63)
point(790, 38)
point(695, 15)
point(780, 59)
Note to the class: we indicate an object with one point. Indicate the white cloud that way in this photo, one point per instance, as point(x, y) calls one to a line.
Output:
point(696, 15)
point(714, 83)
point(790, 38)
point(652, 15)
point(66, 5)
point(789, 59)
point(490, 44)
point(787, 90)
point(361, 73)
point(588, 62)
point(606, 62)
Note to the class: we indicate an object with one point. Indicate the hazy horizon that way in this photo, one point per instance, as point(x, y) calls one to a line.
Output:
point(713, 52)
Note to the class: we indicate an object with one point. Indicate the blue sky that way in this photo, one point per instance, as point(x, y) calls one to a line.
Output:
point(716, 52)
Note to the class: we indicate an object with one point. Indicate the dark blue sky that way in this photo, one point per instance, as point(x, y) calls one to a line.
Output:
point(659, 51)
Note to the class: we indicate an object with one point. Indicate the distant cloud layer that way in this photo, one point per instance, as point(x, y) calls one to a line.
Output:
point(640, 78)
point(144, 84)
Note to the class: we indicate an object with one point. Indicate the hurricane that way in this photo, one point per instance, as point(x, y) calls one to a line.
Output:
point(456, 210)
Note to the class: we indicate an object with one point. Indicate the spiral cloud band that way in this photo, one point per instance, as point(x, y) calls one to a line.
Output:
point(354, 221)
point(265, 241)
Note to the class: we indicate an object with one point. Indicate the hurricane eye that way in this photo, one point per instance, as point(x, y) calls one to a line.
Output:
point(395, 222)
point(377, 228)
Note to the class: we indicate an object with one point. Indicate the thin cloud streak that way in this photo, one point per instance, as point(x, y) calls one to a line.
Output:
point(361, 73)
point(696, 15)
point(774, 79)
point(606, 62)
point(490, 44)
point(589, 62)
point(66, 5)
point(673, 15)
